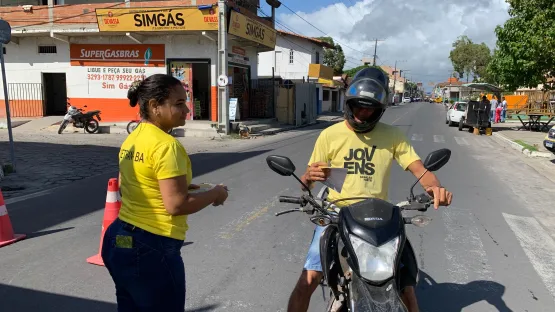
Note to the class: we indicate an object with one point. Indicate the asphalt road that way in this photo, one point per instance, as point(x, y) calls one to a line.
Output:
point(492, 250)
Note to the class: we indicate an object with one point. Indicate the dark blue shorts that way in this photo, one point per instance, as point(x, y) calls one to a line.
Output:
point(147, 269)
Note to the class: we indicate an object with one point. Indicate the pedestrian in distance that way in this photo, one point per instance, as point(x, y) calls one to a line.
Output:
point(504, 112)
point(494, 104)
point(141, 248)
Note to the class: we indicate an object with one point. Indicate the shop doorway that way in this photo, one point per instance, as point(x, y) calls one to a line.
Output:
point(55, 93)
point(195, 77)
point(240, 78)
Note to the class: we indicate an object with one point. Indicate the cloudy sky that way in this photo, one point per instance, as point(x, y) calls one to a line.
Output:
point(416, 33)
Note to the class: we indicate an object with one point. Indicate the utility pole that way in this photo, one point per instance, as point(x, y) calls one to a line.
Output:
point(395, 78)
point(375, 50)
point(223, 102)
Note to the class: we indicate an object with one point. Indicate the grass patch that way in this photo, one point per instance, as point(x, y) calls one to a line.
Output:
point(531, 148)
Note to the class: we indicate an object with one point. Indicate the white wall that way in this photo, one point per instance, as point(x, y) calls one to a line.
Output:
point(304, 53)
point(25, 65)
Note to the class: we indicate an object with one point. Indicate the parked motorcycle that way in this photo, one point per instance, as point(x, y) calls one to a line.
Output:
point(80, 119)
point(362, 245)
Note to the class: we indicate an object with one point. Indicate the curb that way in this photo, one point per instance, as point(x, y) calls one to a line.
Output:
point(507, 142)
point(276, 131)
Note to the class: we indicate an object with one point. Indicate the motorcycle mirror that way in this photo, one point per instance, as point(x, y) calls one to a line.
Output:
point(434, 161)
point(281, 165)
point(420, 220)
point(285, 167)
point(437, 159)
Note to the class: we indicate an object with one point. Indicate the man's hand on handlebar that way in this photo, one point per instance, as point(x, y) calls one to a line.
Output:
point(442, 197)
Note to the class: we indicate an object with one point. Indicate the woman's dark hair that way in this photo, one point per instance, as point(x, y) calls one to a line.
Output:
point(157, 87)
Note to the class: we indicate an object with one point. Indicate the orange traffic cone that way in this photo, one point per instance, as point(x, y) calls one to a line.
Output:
point(111, 211)
point(6, 231)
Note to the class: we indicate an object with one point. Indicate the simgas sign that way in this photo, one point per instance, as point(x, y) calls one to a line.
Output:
point(157, 19)
point(247, 28)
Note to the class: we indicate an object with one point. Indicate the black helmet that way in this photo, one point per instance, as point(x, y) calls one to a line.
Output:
point(369, 88)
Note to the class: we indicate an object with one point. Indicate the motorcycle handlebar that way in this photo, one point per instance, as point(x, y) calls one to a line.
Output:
point(291, 200)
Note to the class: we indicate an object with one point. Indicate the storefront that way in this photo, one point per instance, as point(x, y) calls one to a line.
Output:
point(239, 72)
point(194, 75)
point(95, 67)
point(248, 37)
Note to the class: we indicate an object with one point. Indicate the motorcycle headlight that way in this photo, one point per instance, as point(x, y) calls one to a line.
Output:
point(375, 263)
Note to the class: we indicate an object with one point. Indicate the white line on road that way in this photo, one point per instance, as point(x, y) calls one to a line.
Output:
point(483, 142)
point(461, 141)
point(464, 249)
point(439, 139)
point(417, 137)
point(538, 246)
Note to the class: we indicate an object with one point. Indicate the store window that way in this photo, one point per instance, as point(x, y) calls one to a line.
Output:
point(290, 56)
point(195, 78)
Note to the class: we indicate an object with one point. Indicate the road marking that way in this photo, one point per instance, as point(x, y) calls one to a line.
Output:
point(538, 246)
point(464, 249)
point(482, 142)
point(461, 141)
point(439, 139)
point(393, 123)
point(244, 222)
point(417, 137)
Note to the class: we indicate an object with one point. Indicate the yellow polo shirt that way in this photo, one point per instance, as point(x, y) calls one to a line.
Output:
point(146, 156)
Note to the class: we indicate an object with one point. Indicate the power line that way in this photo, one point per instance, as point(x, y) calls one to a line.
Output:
point(320, 29)
point(296, 33)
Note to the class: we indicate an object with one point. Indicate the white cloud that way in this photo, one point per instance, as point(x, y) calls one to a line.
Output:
point(420, 32)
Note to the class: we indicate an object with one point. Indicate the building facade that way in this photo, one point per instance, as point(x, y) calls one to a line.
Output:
point(89, 54)
point(292, 56)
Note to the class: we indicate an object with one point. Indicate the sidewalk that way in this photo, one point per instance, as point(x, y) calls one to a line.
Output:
point(528, 142)
point(47, 160)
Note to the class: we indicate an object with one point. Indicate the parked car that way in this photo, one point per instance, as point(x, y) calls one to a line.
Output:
point(549, 142)
point(455, 113)
point(406, 99)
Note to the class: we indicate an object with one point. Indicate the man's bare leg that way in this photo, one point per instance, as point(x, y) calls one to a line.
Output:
point(306, 285)
point(409, 299)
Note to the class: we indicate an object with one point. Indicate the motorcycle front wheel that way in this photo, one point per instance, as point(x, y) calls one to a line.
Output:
point(91, 126)
point(63, 126)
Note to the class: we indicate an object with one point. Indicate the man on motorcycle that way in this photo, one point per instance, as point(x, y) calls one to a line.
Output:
point(366, 148)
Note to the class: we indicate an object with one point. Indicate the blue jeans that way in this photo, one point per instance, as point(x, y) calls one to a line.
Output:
point(503, 115)
point(147, 269)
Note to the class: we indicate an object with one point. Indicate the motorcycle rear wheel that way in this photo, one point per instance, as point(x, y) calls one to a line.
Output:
point(92, 126)
point(63, 126)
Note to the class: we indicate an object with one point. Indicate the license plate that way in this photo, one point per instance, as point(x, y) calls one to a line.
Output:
point(549, 144)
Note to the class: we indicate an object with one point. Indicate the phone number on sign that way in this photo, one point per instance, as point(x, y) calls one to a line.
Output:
point(113, 77)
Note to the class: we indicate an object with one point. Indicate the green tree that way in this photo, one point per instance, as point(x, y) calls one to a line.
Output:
point(525, 52)
point(333, 57)
point(469, 58)
point(351, 72)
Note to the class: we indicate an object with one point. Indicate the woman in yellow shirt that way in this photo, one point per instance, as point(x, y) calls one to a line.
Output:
point(141, 249)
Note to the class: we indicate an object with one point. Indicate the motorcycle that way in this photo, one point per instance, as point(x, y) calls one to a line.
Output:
point(81, 119)
point(361, 247)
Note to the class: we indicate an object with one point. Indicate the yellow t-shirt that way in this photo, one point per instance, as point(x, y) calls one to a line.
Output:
point(366, 156)
point(146, 156)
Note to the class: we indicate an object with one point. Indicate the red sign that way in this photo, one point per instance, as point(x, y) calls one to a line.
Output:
point(150, 55)
point(238, 50)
